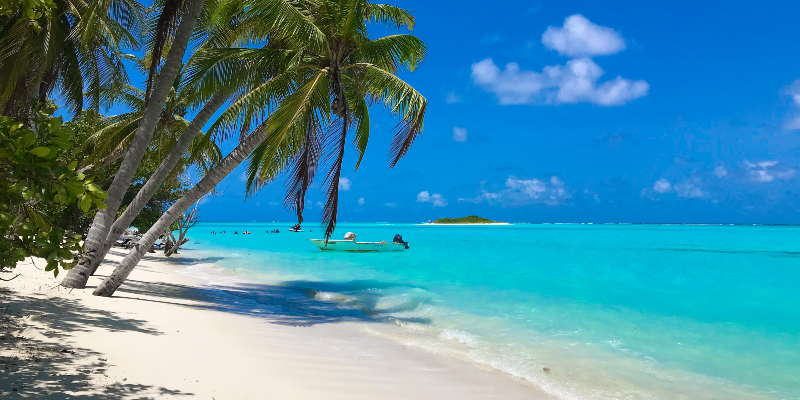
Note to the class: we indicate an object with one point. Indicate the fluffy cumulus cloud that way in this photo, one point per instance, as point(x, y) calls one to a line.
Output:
point(460, 134)
point(720, 171)
point(689, 189)
point(662, 186)
point(768, 171)
point(519, 191)
point(579, 37)
point(361, 201)
point(436, 199)
point(344, 184)
point(575, 82)
point(578, 81)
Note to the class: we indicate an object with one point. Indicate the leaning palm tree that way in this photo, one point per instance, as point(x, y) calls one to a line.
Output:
point(222, 23)
point(187, 12)
point(333, 73)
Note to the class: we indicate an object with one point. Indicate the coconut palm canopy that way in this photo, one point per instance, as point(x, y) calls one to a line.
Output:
point(72, 49)
point(330, 75)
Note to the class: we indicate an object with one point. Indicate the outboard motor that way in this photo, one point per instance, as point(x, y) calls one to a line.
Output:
point(399, 239)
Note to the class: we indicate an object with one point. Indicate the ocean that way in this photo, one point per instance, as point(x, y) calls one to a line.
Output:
point(614, 311)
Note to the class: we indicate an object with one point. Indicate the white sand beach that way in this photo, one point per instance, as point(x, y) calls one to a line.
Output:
point(165, 335)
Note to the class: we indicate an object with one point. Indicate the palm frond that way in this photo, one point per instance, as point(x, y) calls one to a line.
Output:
point(360, 111)
point(288, 20)
point(252, 108)
point(388, 15)
point(336, 140)
point(286, 130)
point(401, 99)
point(165, 27)
point(392, 53)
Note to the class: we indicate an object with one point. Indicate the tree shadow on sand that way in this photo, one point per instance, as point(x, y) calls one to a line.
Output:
point(37, 362)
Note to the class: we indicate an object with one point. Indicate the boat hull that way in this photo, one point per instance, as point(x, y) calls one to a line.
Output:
point(357, 247)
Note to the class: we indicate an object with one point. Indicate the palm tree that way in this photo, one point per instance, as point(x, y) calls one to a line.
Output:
point(73, 48)
point(103, 220)
point(221, 24)
point(333, 73)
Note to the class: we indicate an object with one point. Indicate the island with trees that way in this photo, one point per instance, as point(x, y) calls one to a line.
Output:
point(471, 220)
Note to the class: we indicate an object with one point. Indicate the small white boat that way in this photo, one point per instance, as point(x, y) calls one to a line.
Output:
point(295, 230)
point(358, 247)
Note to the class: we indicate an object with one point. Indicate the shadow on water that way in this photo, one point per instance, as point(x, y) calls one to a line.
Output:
point(37, 361)
point(293, 303)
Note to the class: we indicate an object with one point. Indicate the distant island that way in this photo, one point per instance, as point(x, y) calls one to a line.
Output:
point(472, 219)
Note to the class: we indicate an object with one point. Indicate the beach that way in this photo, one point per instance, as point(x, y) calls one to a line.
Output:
point(166, 335)
point(612, 311)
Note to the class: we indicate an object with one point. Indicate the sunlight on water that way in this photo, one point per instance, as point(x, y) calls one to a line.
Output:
point(615, 311)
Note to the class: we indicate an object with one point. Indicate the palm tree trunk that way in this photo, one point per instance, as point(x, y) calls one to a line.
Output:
point(159, 176)
point(212, 178)
point(79, 274)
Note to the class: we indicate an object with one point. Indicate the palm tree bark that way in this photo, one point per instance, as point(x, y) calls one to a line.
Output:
point(159, 176)
point(212, 178)
point(98, 232)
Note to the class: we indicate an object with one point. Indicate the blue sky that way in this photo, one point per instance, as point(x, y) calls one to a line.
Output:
point(583, 112)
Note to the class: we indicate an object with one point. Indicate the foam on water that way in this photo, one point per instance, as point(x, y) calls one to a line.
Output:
point(614, 311)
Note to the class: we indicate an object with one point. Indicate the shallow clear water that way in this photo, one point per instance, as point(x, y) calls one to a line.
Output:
point(615, 311)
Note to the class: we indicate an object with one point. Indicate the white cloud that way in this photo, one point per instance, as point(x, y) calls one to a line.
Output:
point(460, 134)
point(768, 171)
point(720, 171)
point(662, 186)
point(361, 201)
point(525, 191)
point(794, 91)
point(319, 204)
point(390, 205)
point(579, 37)
point(575, 82)
point(452, 98)
point(594, 195)
point(344, 184)
point(690, 189)
point(436, 199)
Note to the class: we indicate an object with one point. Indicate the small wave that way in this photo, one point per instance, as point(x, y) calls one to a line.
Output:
point(459, 336)
point(333, 297)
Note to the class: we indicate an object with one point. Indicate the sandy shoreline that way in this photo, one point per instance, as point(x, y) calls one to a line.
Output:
point(167, 335)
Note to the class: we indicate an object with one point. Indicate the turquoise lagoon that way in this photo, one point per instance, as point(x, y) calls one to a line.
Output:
point(615, 311)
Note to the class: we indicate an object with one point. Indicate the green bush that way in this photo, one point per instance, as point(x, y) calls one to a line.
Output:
point(36, 175)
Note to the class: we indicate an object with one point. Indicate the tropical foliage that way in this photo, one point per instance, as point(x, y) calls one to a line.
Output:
point(472, 219)
point(35, 173)
point(70, 49)
point(330, 74)
point(292, 81)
